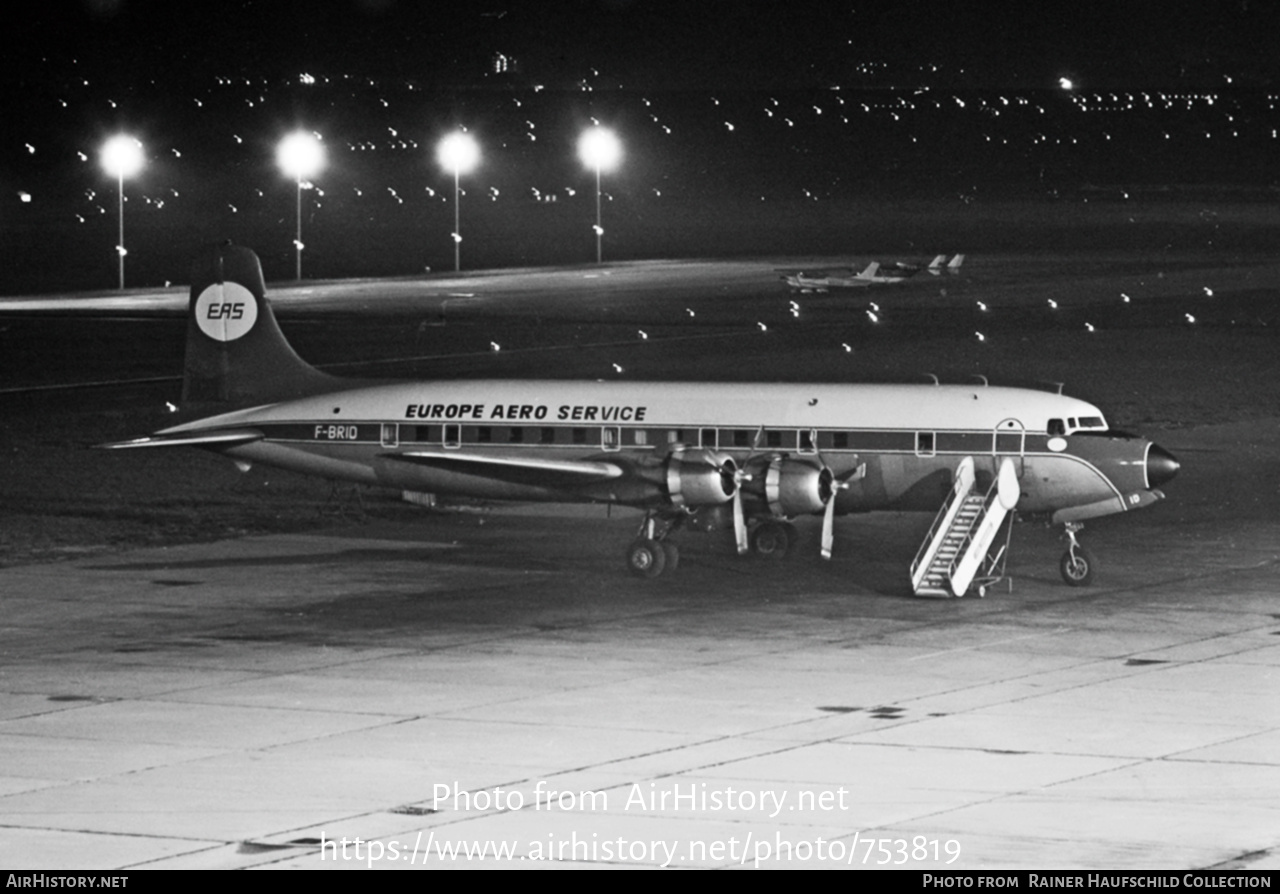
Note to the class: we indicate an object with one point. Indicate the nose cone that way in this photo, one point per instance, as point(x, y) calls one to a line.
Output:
point(1161, 466)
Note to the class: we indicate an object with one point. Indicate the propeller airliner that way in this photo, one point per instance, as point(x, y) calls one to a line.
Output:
point(697, 454)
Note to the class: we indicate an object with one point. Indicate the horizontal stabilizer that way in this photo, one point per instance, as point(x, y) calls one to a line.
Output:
point(539, 472)
point(223, 438)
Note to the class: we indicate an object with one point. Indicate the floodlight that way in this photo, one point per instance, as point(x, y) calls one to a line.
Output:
point(122, 157)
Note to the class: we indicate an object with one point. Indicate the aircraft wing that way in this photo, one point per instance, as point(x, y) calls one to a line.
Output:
point(816, 271)
point(223, 438)
point(540, 472)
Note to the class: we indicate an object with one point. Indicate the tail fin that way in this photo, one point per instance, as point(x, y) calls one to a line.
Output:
point(872, 269)
point(236, 354)
point(954, 265)
point(935, 266)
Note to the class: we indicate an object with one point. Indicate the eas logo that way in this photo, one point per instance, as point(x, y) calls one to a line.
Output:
point(229, 311)
point(225, 311)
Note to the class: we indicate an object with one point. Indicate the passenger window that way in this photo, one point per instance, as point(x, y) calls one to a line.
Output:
point(452, 435)
point(806, 442)
point(516, 436)
point(390, 434)
point(484, 434)
point(924, 443)
point(1056, 427)
point(548, 435)
point(708, 437)
point(609, 437)
point(773, 439)
point(840, 440)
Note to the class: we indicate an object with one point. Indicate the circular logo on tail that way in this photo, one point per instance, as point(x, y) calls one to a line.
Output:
point(225, 311)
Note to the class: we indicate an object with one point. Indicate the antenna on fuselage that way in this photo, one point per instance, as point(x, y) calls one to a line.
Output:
point(983, 379)
point(934, 377)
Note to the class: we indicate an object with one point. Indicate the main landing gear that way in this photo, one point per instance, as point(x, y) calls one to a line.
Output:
point(1078, 565)
point(652, 553)
point(773, 539)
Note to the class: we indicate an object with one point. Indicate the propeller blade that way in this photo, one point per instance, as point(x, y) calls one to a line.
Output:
point(838, 483)
point(828, 527)
point(739, 523)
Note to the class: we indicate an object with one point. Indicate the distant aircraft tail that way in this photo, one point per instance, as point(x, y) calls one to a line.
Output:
point(236, 354)
point(935, 266)
point(954, 265)
point(872, 269)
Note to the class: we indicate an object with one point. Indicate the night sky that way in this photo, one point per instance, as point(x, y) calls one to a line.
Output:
point(745, 125)
point(655, 45)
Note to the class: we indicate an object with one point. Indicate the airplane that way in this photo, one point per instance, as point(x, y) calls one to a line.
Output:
point(873, 274)
point(936, 267)
point(823, 280)
point(746, 457)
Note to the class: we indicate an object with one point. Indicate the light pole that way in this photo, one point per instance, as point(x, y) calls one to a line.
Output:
point(459, 153)
point(122, 156)
point(300, 155)
point(599, 148)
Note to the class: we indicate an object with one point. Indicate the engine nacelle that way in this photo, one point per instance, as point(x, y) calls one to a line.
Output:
point(700, 478)
point(797, 486)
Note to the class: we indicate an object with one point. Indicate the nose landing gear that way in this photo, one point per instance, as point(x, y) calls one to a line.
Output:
point(1078, 565)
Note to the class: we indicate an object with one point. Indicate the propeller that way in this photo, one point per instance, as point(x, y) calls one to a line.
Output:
point(739, 522)
point(732, 476)
point(740, 476)
point(837, 484)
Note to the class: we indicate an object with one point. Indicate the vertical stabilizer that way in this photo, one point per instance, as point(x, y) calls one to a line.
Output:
point(236, 354)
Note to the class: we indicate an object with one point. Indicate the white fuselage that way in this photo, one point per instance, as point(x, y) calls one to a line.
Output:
point(908, 437)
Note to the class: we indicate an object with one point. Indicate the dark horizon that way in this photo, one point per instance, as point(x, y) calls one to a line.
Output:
point(715, 44)
point(743, 131)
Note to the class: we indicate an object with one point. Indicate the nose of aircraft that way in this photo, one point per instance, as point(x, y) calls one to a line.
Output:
point(1161, 466)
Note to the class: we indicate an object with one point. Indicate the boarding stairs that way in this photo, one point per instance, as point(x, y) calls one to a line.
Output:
point(956, 553)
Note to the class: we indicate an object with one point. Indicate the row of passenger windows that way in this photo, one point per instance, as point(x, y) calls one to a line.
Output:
point(610, 437)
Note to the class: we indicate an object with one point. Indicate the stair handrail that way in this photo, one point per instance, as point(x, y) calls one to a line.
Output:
point(1005, 485)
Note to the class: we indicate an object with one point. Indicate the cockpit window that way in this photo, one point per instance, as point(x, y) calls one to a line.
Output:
point(1082, 424)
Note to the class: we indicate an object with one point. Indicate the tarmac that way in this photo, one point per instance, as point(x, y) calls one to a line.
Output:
point(490, 689)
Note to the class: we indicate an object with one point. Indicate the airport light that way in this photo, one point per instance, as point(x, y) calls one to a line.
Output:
point(459, 153)
point(300, 155)
point(599, 149)
point(122, 157)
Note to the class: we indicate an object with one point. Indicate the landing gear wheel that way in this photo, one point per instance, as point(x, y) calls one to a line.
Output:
point(1078, 566)
point(672, 553)
point(646, 558)
point(771, 540)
